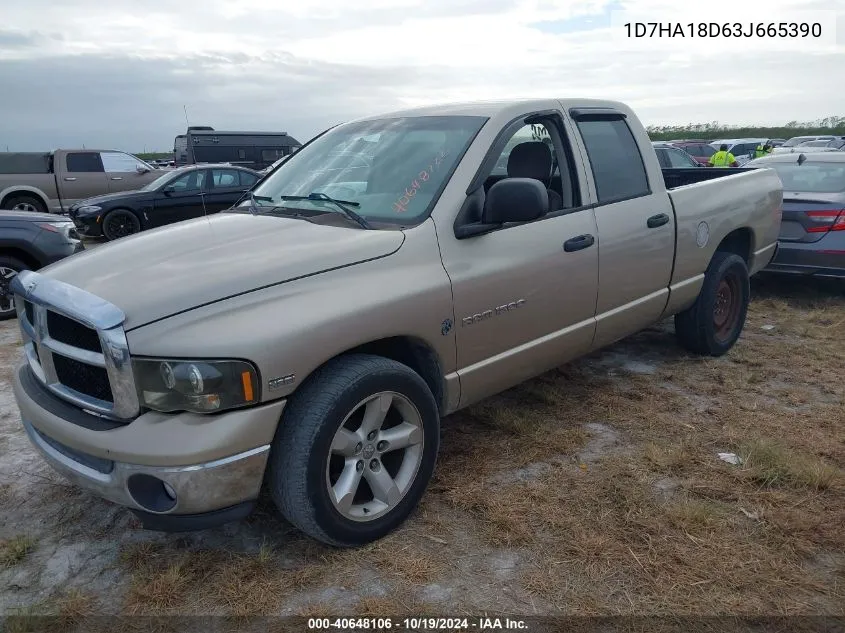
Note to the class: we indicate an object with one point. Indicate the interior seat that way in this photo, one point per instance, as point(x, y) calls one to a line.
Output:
point(533, 159)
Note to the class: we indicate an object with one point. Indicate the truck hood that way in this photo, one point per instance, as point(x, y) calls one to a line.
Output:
point(161, 272)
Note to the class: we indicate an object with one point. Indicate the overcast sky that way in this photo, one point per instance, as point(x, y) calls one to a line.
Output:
point(117, 74)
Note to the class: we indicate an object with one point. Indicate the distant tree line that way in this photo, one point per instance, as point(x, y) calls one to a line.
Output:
point(153, 155)
point(714, 129)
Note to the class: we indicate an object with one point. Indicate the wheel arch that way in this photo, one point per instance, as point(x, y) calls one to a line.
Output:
point(740, 242)
point(18, 253)
point(23, 190)
point(412, 352)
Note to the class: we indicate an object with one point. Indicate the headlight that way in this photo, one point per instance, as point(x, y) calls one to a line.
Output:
point(89, 209)
point(205, 386)
point(65, 228)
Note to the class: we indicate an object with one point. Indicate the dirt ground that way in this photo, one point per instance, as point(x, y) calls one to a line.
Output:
point(595, 489)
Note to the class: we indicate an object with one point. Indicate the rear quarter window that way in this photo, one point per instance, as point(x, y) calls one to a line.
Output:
point(615, 159)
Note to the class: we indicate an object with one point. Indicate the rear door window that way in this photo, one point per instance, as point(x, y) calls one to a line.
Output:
point(618, 169)
point(225, 178)
point(84, 162)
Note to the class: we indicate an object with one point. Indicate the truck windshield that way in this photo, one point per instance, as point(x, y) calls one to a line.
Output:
point(391, 169)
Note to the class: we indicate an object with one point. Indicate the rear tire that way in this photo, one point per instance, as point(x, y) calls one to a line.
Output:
point(9, 269)
point(355, 450)
point(714, 322)
point(120, 223)
point(24, 203)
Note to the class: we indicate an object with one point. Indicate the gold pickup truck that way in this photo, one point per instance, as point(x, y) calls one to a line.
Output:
point(53, 181)
point(392, 271)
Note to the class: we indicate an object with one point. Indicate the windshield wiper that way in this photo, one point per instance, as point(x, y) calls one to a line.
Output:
point(253, 202)
point(343, 205)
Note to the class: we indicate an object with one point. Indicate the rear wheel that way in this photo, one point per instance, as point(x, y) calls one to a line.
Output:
point(9, 268)
point(714, 322)
point(355, 450)
point(120, 223)
point(24, 203)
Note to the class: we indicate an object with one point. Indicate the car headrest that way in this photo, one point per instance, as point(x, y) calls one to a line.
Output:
point(532, 159)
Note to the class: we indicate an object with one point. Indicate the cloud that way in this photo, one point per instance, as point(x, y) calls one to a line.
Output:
point(17, 39)
point(103, 74)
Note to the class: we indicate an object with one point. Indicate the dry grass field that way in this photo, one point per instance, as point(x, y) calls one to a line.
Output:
point(595, 489)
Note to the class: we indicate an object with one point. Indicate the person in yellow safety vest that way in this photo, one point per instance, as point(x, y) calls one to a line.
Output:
point(722, 158)
point(763, 149)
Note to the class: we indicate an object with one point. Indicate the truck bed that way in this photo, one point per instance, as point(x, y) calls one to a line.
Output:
point(749, 199)
point(680, 176)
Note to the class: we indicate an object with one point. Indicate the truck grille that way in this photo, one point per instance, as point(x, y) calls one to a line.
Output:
point(72, 332)
point(76, 345)
point(88, 379)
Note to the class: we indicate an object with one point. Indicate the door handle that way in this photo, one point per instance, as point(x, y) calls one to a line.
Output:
point(70, 178)
point(578, 243)
point(657, 220)
point(117, 178)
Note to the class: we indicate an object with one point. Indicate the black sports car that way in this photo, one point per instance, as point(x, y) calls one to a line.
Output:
point(180, 194)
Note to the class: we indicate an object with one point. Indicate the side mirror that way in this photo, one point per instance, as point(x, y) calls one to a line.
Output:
point(509, 200)
point(168, 190)
point(141, 169)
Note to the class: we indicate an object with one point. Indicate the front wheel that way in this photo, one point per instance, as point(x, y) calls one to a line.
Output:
point(355, 450)
point(9, 268)
point(120, 223)
point(714, 322)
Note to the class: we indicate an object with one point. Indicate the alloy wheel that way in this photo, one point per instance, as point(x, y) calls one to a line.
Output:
point(7, 303)
point(375, 456)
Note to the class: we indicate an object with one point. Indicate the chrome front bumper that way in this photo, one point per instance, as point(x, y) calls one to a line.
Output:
point(198, 488)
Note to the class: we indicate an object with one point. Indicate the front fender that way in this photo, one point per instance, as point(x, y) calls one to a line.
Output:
point(291, 329)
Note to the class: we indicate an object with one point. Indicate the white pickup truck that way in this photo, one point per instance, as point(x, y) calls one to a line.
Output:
point(309, 341)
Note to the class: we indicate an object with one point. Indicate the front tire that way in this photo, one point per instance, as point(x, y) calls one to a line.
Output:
point(355, 450)
point(714, 322)
point(9, 269)
point(120, 223)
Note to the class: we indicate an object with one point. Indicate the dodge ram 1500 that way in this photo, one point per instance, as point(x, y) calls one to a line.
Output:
point(309, 340)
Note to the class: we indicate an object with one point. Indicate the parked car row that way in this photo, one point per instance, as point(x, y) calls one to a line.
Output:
point(744, 149)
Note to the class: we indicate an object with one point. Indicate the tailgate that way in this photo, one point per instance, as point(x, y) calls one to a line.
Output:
point(810, 220)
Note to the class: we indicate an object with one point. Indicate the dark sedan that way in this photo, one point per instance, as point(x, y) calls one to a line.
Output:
point(29, 241)
point(812, 232)
point(671, 157)
point(181, 194)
